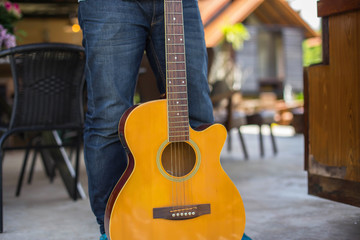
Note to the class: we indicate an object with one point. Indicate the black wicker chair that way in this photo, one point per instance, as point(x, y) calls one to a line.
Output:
point(48, 82)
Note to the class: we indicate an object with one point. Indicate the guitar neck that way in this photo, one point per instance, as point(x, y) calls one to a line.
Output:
point(177, 98)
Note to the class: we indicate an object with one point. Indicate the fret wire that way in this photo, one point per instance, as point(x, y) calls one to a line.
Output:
point(179, 116)
point(173, 52)
point(175, 139)
point(175, 133)
point(173, 117)
point(178, 111)
point(176, 94)
point(176, 63)
point(181, 81)
point(181, 136)
point(176, 70)
point(182, 62)
point(180, 127)
point(178, 99)
point(175, 105)
point(176, 44)
point(180, 119)
point(180, 122)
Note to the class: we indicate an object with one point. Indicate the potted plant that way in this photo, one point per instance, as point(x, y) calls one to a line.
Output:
point(9, 14)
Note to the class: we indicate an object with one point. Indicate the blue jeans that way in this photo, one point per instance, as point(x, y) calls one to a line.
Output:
point(115, 35)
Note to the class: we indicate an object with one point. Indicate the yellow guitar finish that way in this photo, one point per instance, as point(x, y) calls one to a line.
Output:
point(147, 188)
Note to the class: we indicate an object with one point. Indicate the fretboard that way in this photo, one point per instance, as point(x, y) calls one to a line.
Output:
point(177, 99)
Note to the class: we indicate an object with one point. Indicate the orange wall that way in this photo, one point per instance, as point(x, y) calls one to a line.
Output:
point(48, 30)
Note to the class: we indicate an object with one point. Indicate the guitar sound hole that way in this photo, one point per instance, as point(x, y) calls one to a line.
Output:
point(178, 159)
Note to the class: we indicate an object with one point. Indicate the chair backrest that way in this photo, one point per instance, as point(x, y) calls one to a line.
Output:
point(48, 82)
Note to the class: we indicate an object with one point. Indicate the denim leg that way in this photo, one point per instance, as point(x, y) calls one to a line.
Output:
point(114, 34)
point(200, 106)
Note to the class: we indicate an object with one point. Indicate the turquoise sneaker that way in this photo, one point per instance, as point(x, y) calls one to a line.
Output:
point(103, 237)
point(245, 237)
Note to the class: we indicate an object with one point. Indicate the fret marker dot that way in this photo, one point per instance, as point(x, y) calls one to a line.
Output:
point(175, 58)
point(174, 18)
point(181, 39)
point(169, 81)
point(177, 102)
point(168, 39)
point(183, 81)
point(178, 114)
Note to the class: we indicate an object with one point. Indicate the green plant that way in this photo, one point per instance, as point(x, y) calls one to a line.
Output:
point(312, 54)
point(236, 35)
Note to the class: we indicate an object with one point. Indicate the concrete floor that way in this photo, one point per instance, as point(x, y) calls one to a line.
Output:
point(273, 188)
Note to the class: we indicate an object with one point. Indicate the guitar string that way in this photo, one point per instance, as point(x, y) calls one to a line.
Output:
point(182, 167)
point(173, 190)
point(179, 171)
point(175, 144)
point(189, 156)
point(172, 172)
point(184, 144)
point(187, 182)
point(179, 158)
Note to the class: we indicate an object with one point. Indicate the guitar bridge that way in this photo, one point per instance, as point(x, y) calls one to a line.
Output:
point(181, 212)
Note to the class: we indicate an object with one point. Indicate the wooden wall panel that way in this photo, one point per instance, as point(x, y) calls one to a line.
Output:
point(334, 100)
point(331, 7)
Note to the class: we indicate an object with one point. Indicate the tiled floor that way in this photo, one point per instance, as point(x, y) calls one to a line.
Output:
point(273, 188)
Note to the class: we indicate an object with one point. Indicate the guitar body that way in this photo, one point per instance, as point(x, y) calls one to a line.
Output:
point(154, 201)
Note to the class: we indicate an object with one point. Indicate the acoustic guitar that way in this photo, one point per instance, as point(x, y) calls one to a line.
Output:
point(174, 186)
